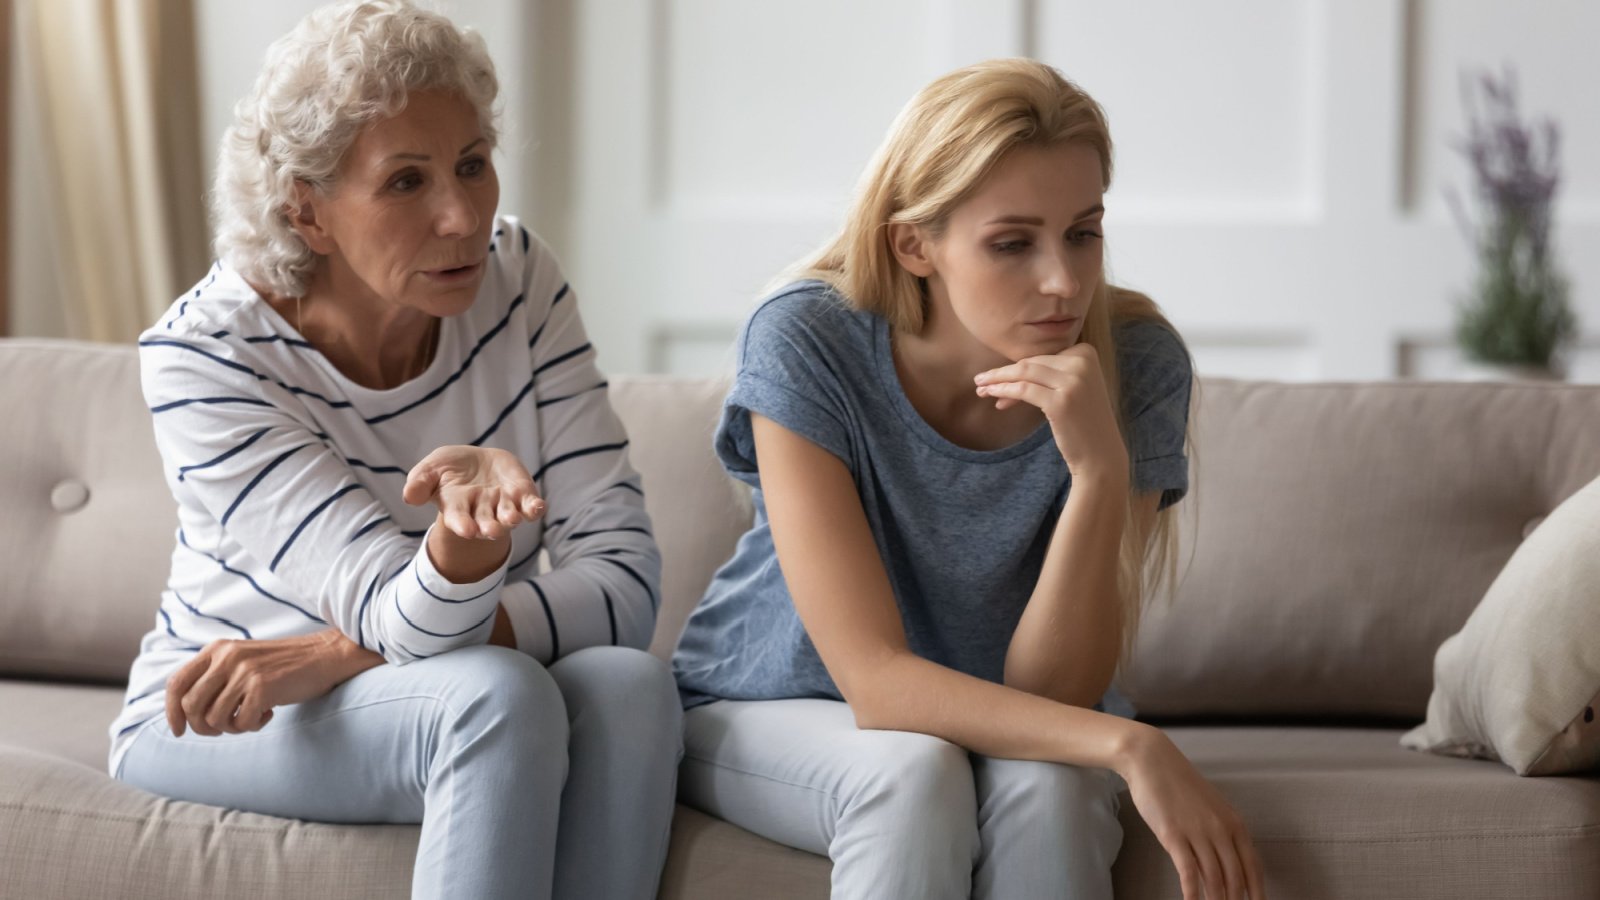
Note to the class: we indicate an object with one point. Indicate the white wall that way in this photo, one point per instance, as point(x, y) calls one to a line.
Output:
point(1280, 162)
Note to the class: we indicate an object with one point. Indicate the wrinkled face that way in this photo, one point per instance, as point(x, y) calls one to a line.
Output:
point(1019, 260)
point(410, 215)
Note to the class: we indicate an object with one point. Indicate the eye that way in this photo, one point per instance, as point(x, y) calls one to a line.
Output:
point(472, 168)
point(405, 182)
point(1013, 246)
point(1083, 236)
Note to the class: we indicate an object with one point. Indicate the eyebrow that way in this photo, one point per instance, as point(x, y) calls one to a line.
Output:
point(421, 157)
point(1036, 221)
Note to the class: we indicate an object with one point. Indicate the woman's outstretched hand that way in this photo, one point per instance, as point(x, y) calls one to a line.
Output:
point(482, 493)
point(1205, 837)
point(1071, 391)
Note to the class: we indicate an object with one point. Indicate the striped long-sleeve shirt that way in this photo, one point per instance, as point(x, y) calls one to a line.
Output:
point(288, 481)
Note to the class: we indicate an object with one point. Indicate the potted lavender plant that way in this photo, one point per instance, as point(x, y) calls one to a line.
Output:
point(1516, 319)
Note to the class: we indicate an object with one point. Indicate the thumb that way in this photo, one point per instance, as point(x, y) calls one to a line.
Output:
point(421, 483)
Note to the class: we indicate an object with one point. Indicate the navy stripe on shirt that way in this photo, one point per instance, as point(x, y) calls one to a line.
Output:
point(176, 404)
point(402, 612)
point(185, 470)
point(231, 624)
point(549, 616)
point(576, 535)
point(611, 614)
point(184, 540)
point(554, 400)
point(273, 567)
point(447, 599)
point(366, 528)
point(635, 576)
point(576, 351)
point(473, 354)
point(265, 471)
point(575, 454)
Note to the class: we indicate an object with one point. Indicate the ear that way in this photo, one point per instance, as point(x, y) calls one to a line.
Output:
point(912, 248)
point(304, 219)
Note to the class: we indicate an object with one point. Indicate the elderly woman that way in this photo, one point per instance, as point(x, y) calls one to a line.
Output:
point(349, 406)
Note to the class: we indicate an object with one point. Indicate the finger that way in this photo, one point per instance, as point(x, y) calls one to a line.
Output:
point(178, 685)
point(1188, 872)
point(533, 506)
point(1024, 391)
point(252, 714)
point(1210, 870)
point(197, 702)
point(484, 512)
point(460, 523)
point(1255, 876)
point(1232, 869)
point(507, 513)
point(220, 715)
point(1033, 368)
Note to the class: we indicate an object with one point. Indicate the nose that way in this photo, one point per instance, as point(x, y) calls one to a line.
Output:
point(454, 214)
point(1056, 278)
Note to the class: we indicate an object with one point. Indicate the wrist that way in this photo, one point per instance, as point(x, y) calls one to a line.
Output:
point(1133, 748)
point(1107, 472)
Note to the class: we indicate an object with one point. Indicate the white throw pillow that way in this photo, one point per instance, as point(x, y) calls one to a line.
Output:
point(1520, 682)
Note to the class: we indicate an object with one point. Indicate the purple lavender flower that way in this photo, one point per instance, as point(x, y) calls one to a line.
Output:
point(1517, 311)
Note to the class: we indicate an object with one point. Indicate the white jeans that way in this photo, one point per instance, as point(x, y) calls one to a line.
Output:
point(902, 814)
point(526, 781)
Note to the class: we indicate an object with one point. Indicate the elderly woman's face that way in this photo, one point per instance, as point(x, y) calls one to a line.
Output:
point(409, 219)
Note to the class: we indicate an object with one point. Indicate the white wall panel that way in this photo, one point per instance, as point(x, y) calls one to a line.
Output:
point(756, 129)
point(1213, 106)
point(1552, 45)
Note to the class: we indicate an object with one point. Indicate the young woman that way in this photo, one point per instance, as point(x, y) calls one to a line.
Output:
point(964, 445)
point(374, 412)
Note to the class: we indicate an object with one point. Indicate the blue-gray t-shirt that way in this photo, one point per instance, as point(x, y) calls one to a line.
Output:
point(962, 533)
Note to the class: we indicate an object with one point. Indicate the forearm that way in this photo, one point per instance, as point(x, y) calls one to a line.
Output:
point(1067, 643)
point(341, 658)
point(905, 692)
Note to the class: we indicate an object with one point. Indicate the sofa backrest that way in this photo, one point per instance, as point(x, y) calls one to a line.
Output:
point(1344, 530)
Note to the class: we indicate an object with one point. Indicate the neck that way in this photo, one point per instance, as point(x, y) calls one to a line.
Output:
point(373, 342)
point(936, 366)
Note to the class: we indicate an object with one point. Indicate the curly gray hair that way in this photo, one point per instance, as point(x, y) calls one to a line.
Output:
point(342, 67)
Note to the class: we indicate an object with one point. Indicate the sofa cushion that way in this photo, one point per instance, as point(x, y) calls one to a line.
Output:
point(89, 525)
point(1336, 812)
point(1519, 682)
point(696, 510)
point(1340, 532)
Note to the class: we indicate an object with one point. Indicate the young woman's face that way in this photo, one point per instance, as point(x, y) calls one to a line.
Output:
point(411, 214)
point(1020, 259)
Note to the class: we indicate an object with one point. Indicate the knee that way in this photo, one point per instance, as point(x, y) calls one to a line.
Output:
point(629, 687)
point(1044, 792)
point(498, 689)
point(918, 775)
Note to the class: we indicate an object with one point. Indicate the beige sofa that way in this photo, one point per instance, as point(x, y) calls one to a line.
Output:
point(1343, 532)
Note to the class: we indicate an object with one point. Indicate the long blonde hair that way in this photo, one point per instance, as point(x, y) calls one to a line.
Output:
point(938, 151)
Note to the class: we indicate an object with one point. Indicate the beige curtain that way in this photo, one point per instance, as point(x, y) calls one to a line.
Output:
point(121, 119)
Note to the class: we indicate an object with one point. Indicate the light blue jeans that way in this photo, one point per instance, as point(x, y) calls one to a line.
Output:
point(528, 782)
point(902, 814)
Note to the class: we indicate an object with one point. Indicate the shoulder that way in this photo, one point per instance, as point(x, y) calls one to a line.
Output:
point(808, 317)
point(522, 265)
point(219, 328)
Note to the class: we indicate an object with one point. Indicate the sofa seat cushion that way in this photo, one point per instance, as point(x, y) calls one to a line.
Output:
point(1348, 812)
point(1336, 812)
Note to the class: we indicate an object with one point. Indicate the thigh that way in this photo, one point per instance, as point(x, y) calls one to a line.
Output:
point(358, 754)
point(788, 769)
